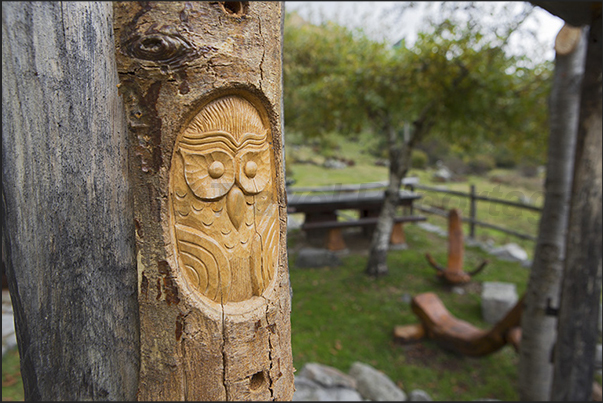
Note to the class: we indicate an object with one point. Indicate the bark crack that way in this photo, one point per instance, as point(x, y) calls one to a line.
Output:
point(263, 51)
point(270, 348)
point(185, 377)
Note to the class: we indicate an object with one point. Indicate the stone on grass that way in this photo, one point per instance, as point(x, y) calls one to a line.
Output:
point(316, 257)
point(327, 376)
point(334, 164)
point(310, 390)
point(375, 385)
point(497, 299)
point(419, 395)
point(510, 252)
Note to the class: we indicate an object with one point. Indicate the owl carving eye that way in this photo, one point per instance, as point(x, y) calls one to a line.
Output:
point(210, 175)
point(216, 169)
point(254, 170)
point(251, 169)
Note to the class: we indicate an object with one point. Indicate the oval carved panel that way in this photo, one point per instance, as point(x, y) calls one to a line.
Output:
point(222, 198)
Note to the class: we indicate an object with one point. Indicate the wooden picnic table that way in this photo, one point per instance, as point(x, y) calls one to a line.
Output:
point(322, 210)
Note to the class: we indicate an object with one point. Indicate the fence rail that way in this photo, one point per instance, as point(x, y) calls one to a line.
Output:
point(473, 198)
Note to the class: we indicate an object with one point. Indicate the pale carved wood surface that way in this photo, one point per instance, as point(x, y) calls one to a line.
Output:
point(201, 82)
point(225, 216)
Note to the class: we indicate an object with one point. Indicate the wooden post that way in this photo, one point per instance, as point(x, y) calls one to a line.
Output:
point(202, 86)
point(472, 211)
point(71, 263)
point(538, 326)
point(454, 273)
point(581, 286)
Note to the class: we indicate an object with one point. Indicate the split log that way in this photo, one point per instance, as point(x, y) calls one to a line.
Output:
point(202, 86)
point(460, 336)
point(454, 273)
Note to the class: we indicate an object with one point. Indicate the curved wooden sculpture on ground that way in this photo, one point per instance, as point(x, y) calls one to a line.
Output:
point(453, 273)
point(460, 336)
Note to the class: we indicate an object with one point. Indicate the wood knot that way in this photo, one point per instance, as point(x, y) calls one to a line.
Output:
point(160, 48)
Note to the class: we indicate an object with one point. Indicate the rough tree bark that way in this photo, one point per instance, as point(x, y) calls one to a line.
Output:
point(71, 253)
point(539, 327)
point(202, 86)
point(400, 149)
point(581, 287)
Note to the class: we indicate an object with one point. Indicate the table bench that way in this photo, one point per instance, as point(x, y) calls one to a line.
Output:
point(321, 211)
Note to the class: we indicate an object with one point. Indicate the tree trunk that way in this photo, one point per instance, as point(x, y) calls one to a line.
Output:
point(538, 327)
point(71, 254)
point(399, 163)
point(202, 87)
point(581, 287)
point(400, 151)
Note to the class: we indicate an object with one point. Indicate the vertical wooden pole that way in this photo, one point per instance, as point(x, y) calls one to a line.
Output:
point(538, 327)
point(202, 86)
point(581, 286)
point(472, 211)
point(71, 263)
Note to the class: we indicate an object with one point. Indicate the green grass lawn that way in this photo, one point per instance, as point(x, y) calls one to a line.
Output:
point(340, 315)
point(12, 384)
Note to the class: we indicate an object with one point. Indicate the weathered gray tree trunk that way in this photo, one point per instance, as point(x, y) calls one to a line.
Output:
point(400, 150)
point(71, 258)
point(538, 327)
point(399, 158)
point(202, 86)
point(581, 287)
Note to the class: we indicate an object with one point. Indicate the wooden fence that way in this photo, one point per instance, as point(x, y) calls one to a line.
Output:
point(473, 198)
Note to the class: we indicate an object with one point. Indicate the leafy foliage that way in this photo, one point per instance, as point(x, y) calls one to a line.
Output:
point(474, 93)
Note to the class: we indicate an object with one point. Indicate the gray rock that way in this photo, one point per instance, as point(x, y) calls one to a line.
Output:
point(419, 395)
point(308, 390)
point(327, 376)
point(510, 252)
point(375, 385)
point(316, 257)
point(497, 299)
point(334, 164)
point(472, 242)
point(458, 290)
point(598, 357)
point(432, 228)
point(442, 175)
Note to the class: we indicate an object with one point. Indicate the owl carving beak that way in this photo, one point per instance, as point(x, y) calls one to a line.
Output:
point(235, 206)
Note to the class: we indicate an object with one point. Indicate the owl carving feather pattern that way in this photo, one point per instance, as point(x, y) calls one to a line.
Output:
point(223, 201)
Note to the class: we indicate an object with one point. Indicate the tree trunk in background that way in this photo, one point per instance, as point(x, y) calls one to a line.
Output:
point(399, 163)
point(538, 328)
point(202, 86)
point(581, 287)
point(71, 257)
point(400, 150)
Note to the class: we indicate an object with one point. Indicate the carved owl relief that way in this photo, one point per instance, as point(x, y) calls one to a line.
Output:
point(223, 203)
